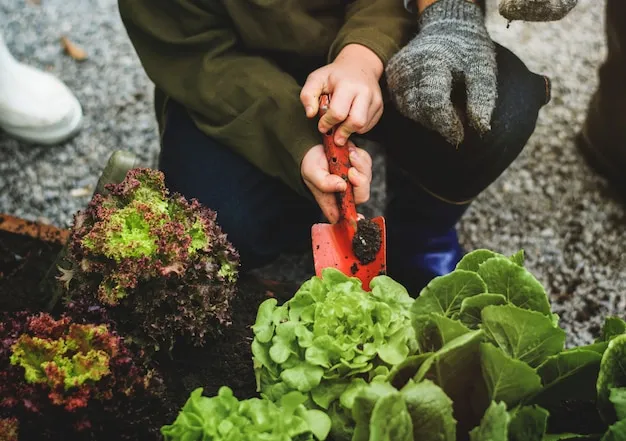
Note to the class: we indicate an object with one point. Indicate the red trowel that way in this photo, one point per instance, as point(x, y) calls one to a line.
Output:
point(356, 247)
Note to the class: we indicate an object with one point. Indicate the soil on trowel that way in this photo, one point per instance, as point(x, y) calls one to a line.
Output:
point(24, 261)
point(366, 241)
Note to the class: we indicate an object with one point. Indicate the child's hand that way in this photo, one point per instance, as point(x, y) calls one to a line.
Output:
point(323, 184)
point(356, 99)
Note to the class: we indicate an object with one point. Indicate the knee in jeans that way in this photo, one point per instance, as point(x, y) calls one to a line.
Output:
point(521, 94)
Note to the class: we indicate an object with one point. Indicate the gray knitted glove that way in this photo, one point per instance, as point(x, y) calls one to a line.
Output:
point(535, 10)
point(453, 45)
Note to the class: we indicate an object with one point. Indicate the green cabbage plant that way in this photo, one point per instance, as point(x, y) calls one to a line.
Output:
point(330, 338)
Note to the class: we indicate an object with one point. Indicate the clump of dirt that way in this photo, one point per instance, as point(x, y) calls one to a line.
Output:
point(367, 241)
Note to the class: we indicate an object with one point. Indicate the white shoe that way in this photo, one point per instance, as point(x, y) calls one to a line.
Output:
point(35, 106)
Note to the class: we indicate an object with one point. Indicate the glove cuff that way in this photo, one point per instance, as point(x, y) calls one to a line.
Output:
point(461, 10)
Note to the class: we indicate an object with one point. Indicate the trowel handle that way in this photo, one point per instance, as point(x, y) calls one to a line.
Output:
point(339, 164)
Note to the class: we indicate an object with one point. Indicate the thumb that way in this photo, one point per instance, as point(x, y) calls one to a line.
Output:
point(313, 88)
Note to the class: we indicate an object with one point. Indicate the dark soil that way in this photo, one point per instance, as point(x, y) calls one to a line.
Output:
point(224, 361)
point(23, 263)
point(366, 241)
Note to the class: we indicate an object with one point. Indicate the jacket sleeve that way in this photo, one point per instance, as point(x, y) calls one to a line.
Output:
point(243, 101)
point(383, 26)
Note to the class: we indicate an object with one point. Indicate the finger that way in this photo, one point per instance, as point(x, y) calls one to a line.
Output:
point(324, 181)
point(313, 88)
point(357, 119)
point(436, 109)
point(361, 161)
point(482, 92)
point(338, 110)
point(378, 113)
point(328, 204)
point(361, 185)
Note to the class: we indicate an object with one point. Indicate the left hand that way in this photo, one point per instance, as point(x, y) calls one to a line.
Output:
point(356, 102)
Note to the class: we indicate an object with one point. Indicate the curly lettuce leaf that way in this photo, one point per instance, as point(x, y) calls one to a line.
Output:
point(330, 338)
point(225, 418)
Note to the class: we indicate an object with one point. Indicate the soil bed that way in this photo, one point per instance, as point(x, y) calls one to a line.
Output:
point(24, 262)
point(227, 360)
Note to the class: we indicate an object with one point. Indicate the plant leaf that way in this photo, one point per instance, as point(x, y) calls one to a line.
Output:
point(522, 334)
point(471, 308)
point(391, 420)
point(570, 437)
point(618, 398)
point(456, 369)
point(403, 372)
point(613, 326)
point(444, 294)
point(263, 328)
point(449, 366)
point(518, 258)
point(431, 411)
point(363, 407)
point(517, 284)
point(570, 376)
point(494, 424)
point(433, 331)
point(318, 422)
point(612, 375)
point(472, 260)
point(528, 423)
point(616, 432)
point(507, 379)
point(302, 377)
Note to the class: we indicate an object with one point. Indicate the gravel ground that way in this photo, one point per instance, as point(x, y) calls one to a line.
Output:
point(549, 202)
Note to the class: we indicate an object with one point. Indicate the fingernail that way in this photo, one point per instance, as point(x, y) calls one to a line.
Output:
point(341, 186)
point(309, 110)
point(353, 155)
point(340, 140)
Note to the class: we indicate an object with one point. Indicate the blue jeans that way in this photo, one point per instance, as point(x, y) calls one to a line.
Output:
point(263, 217)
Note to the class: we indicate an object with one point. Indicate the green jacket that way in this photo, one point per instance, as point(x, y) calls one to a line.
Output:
point(238, 65)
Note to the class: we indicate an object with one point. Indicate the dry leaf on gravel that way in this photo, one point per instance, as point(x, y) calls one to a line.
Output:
point(74, 51)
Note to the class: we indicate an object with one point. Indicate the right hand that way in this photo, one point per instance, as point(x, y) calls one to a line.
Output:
point(323, 185)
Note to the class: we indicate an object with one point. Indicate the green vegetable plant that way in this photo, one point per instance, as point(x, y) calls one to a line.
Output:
point(159, 263)
point(9, 429)
point(492, 366)
point(477, 356)
point(331, 338)
point(61, 378)
point(225, 418)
